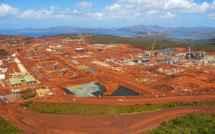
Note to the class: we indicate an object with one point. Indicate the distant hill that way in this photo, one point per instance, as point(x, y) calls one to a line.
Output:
point(14, 36)
point(175, 30)
point(139, 29)
point(162, 42)
point(61, 28)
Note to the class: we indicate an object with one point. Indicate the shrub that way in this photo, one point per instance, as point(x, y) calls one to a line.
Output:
point(26, 104)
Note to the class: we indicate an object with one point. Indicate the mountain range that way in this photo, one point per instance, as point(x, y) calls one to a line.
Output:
point(139, 29)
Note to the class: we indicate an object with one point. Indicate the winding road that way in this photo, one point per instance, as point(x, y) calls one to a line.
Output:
point(32, 122)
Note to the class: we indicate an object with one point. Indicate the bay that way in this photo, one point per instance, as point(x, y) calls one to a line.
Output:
point(102, 32)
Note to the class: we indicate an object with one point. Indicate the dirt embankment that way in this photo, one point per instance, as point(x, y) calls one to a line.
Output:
point(32, 122)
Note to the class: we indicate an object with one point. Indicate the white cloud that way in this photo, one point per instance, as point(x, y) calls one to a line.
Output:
point(8, 11)
point(143, 9)
point(66, 9)
point(75, 11)
point(53, 8)
point(120, 10)
point(42, 14)
point(158, 14)
point(84, 4)
point(211, 16)
point(213, 5)
point(188, 6)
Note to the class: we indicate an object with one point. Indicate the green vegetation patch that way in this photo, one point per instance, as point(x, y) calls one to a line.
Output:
point(93, 109)
point(71, 36)
point(7, 128)
point(146, 43)
point(29, 96)
point(187, 124)
point(3, 52)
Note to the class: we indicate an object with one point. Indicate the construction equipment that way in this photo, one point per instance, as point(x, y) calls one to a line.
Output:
point(152, 47)
point(40, 62)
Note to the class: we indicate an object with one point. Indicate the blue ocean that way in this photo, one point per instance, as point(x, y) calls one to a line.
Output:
point(105, 32)
point(184, 37)
point(167, 50)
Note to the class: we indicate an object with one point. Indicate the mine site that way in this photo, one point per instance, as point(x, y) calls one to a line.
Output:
point(61, 70)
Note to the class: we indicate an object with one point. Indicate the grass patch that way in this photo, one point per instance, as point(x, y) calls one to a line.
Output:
point(29, 96)
point(93, 109)
point(7, 128)
point(26, 91)
point(162, 42)
point(26, 104)
point(187, 124)
point(3, 52)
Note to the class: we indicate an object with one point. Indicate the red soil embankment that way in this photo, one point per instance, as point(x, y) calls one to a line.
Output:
point(32, 122)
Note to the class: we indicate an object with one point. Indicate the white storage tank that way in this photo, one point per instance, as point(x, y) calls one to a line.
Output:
point(21, 68)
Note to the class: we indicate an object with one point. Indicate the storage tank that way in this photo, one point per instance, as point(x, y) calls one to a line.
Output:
point(21, 68)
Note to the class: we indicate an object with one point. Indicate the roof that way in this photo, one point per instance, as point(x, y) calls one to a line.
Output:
point(15, 81)
point(209, 56)
point(42, 92)
point(2, 76)
point(212, 62)
point(82, 67)
point(29, 78)
point(91, 70)
point(79, 49)
point(36, 45)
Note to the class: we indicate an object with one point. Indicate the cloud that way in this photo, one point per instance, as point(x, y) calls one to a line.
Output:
point(211, 16)
point(53, 8)
point(213, 5)
point(84, 4)
point(158, 14)
point(6, 11)
point(187, 6)
point(119, 10)
point(143, 9)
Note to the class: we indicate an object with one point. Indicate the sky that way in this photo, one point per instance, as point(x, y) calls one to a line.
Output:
point(19, 14)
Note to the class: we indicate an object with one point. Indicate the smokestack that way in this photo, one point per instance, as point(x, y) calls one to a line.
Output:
point(168, 52)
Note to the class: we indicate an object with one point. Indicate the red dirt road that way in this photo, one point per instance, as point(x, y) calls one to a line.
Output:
point(129, 100)
point(32, 122)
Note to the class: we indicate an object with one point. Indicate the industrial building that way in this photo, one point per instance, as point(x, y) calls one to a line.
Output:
point(17, 61)
point(75, 62)
point(209, 58)
point(3, 70)
point(176, 58)
point(195, 55)
point(29, 79)
point(63, 71)
point(91, 70)
point(15, 81)
point(79, 49)
point(18, 74)
point(2, 76)
point(36, 45)
point(42, 92)
point(136, 59)
point(145, 59)
point(21, 68)
point(55, 65)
